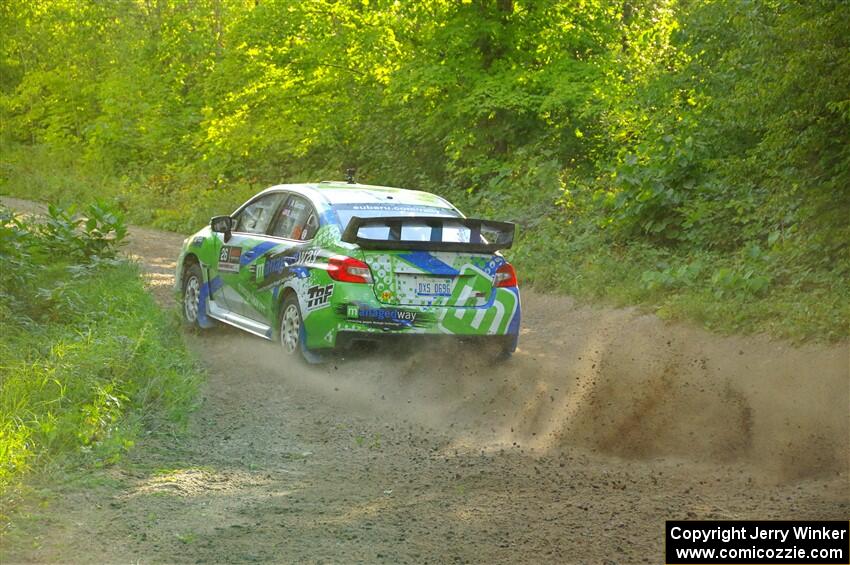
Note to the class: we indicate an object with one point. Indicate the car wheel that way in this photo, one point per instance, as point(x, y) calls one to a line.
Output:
point(291, 333)
point(192, 282)
point(290, 326)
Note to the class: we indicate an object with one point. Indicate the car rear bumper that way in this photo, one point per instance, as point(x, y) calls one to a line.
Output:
point(406, 341)
point(353, 312)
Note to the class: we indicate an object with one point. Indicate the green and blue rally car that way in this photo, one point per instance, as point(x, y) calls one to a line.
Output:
point(320, 266)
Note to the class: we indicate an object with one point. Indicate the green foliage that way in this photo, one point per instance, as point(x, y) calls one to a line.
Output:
point(747, 292)
point(86, 239)
point(88, 359)
point(696, 128)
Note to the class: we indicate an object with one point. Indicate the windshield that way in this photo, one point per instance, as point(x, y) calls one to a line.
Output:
point(348, 211)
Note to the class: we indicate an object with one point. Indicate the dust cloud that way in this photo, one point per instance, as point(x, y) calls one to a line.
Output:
point(613, 381)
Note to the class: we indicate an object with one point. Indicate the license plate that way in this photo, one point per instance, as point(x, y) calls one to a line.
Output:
point(432, 286)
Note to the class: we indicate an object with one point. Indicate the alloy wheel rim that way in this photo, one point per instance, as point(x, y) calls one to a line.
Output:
point(190, 298)
point(290, 329)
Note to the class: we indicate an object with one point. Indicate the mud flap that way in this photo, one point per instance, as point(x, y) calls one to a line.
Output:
point(207, 288)
point(311, 356)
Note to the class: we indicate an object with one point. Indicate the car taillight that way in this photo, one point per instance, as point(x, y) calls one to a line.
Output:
point(348, 269)
point(505, 276)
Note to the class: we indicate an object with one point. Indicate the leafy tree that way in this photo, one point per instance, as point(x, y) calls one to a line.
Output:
point(681, 126)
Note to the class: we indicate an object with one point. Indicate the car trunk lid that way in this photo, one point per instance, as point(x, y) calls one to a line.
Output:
point(431, 261)
point(422, 278)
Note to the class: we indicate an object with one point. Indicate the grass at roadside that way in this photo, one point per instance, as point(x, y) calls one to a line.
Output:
point(726, 293)
point(88, 359)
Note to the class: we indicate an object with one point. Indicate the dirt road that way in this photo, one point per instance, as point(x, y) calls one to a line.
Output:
point(603, 425)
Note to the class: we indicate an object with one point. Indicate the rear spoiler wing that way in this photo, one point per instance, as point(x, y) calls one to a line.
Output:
point(485, 236)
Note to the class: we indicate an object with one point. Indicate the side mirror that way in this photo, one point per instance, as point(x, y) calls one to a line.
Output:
point(222, 224)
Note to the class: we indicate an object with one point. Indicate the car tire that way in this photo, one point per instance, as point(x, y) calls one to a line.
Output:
point(193, 282)
point(291, 333)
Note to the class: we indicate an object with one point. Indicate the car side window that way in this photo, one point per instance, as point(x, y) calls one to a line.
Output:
point(296, 220)
point(256, 216)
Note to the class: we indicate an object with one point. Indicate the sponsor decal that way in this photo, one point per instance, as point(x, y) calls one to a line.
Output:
point(198, 241)
point(385, 317)
point(278, 267)
point(418, 209)
point(228, 258)
point(319, 296)
point(306, 257)
point(381, 314)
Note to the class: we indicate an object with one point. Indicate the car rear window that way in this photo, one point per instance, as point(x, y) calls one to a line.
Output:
point(348, 211)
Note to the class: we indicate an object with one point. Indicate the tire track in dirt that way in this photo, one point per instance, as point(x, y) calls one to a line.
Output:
point(606, 423)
